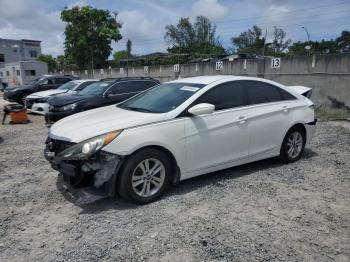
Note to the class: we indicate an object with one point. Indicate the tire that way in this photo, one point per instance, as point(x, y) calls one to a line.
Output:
point(137, 185)
point(293, 145)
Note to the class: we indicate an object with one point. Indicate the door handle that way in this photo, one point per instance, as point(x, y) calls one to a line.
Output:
point(285, 108)
point(242, 119)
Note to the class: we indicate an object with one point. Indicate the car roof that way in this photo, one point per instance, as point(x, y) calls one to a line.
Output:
point(206, 80)
point(83, 81)
point(118, 79)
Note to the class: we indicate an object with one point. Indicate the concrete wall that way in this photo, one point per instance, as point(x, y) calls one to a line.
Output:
point(328, 75)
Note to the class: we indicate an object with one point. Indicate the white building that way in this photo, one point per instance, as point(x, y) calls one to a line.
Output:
point(18, 64)
point(23, 72)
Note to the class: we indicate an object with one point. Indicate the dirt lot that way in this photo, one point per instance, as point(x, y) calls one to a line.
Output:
point(258, 212)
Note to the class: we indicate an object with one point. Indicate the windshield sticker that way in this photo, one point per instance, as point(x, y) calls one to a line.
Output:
point(103, 84)
point(189, 88)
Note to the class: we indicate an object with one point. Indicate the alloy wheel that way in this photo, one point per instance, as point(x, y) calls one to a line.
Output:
point(294, 145)
point(148, 177)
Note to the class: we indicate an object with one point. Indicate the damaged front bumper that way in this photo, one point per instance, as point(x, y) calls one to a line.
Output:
point(89, 179)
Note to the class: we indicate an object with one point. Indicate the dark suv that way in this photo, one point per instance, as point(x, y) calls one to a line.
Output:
point(103, 93)
point(18, 93)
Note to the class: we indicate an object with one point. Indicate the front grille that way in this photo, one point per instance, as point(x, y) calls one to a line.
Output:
point(57, 146)
point(29, 103)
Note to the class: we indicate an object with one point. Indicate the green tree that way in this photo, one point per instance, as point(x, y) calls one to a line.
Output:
point(250, 41)
point(280, 43)
point(49, 60)
point(343, 42)
point(128, 47)
point(89, 33)
point(317, 47)
point(120, 55)
point(199, 37)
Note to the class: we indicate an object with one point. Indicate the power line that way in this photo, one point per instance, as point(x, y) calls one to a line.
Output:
point(288, 12)
point(266, 23)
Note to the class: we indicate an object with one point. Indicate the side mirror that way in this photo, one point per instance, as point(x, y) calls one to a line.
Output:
point(202, 109)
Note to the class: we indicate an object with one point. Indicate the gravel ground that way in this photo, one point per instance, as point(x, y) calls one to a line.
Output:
point(263, 211)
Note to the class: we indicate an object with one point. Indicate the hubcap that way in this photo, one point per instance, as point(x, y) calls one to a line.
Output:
point(148, 177)
point(294, 144)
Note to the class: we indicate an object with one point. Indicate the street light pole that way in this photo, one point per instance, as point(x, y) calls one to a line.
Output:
point(308, 38)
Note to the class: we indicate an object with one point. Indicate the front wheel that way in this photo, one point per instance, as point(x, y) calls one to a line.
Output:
point(293, 145)
point(145, 176)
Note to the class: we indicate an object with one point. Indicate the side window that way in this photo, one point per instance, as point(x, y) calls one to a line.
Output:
point(83, 85)
point(285, 95)
point(131, 87)
point(115, 89)
point(46, 81)
point(144, 85)
point(228, 95)
point(138, 86)
point(61, 80)
point(259, 92)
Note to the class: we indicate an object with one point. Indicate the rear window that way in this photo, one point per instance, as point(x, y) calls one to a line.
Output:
point(260, 92)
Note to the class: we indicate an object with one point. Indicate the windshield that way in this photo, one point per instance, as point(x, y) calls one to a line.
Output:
point(162, 98)
point(96, 88)
point(68, 86)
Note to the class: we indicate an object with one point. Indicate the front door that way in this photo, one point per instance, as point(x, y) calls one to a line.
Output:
point(218, 139)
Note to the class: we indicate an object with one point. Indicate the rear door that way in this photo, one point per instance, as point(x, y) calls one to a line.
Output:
point(219, 138)
point(268, 116)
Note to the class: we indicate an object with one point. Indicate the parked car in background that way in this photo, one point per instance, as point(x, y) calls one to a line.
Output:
point(18, 93)
point(37, 102)
point(3, 85)
point(178, 130)
point(102, 93)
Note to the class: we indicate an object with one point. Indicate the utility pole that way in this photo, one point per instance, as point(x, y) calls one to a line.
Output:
point(263, 54)
point(308, 39)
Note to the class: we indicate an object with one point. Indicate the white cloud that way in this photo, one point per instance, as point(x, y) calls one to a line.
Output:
point(23, 19)
point(79, 3)
point(209, 8)
point(15, 8)
point(274, 15)
point(141, 30)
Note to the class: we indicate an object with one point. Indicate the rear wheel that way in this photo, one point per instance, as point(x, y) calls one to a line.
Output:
point(145, 176)
point(293, 145)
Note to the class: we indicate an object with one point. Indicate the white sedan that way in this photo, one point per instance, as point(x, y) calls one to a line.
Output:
point(178, 130)
point(37, 102)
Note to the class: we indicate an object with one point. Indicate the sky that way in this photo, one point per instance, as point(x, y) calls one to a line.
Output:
point(144, 21)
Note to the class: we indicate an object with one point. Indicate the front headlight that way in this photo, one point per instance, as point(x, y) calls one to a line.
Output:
point(88, 147)
point(42, 100)
point(68, 107)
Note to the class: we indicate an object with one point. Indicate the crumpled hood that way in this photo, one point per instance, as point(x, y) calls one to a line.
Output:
point(91, 123)
point(59, 101)
point(46, 93)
